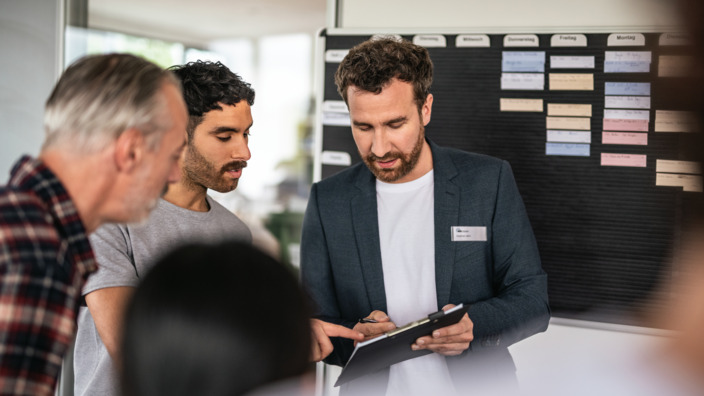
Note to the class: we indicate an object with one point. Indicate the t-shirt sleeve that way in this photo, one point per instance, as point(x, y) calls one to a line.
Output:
point(113, 251)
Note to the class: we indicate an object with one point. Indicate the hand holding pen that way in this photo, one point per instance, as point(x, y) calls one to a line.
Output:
point(374, 325)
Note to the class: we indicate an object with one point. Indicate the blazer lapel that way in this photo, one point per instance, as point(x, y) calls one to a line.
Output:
point(447, 203)
point(366, 228)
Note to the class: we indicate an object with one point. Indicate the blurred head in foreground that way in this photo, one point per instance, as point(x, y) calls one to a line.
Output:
point(214, 320)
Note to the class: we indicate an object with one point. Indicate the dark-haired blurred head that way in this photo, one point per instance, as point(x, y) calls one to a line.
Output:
point(214, 320)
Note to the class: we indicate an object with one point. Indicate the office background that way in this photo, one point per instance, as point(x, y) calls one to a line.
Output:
point(273, 45)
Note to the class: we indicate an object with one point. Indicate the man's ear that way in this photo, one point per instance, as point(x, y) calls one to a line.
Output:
point(427, 109)
point(129, 150)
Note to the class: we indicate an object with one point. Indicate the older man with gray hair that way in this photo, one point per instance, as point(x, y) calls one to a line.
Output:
point(114, 134)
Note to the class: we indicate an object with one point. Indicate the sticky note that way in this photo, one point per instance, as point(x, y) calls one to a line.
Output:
point(627, 138)
point(513, 104)
point(626, 67)
point(674, 166)
point(523, 81)
point(627, 114)
point(625, 125)
point(626, 88)
point(633, 160)
point(569, 123)
point(692, 183)
point(675, 121)
point(562, 136)
point(569, 149)
point(335, 113)
point(627, 102)
point(523, 61)
point(569, 110)
point(571, 81)
point(571, 62)
point(336, 119)
point(675, 66)
point(628, 56)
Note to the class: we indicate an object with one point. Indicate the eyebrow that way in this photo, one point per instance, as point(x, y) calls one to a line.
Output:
point(223, 129)
point(392, 121)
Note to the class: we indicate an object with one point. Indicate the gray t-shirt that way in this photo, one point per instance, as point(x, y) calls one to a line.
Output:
point(125, 254)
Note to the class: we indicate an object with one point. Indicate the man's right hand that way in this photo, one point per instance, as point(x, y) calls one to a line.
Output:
point(371, 330)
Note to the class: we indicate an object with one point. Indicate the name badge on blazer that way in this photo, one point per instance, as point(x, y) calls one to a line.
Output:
point(464, 233)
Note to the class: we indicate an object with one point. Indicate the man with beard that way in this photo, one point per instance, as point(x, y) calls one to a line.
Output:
point(216, 152)
point(219, 107)
point(420, 228)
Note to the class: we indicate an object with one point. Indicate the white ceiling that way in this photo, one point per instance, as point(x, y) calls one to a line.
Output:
point(197, 22)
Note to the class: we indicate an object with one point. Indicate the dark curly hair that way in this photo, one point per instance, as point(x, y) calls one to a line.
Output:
point(205, 85)
point(372, 64)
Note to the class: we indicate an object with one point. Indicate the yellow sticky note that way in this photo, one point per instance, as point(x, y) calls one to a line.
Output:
point(512, 104)
point(674, 166)
point(568, 123)
point(569, 109)
point(571, 81)
point(675, 121)
point(675, 66)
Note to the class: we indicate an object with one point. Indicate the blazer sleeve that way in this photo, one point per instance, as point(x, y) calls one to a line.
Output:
point(519, 307)
point(317, 278)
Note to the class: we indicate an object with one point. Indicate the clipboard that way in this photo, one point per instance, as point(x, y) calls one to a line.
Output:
point(395, 346)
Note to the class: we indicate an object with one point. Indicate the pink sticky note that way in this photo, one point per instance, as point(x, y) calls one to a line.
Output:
point(611, 159)
point(636, 138)
point(613, 124)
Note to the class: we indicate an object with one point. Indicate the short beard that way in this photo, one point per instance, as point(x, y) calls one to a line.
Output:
point(199, 173)
point(408, 162)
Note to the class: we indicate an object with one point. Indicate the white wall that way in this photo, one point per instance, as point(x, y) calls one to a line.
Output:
point(503, 15)
point(31, 35)
point(536, 16)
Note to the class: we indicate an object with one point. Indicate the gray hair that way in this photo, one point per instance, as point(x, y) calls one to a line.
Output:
point(100, 96)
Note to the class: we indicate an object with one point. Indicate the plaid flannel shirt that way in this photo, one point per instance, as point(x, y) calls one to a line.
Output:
point(45, 258)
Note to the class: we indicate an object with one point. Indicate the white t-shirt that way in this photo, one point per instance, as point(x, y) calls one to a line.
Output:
point(407, 236)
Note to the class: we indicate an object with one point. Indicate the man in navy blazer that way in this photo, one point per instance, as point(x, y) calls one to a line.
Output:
point(419, 228)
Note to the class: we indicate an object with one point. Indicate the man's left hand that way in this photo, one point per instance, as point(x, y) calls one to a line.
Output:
point(449, 341)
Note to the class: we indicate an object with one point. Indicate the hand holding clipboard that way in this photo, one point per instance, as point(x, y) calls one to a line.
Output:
point(395, 346)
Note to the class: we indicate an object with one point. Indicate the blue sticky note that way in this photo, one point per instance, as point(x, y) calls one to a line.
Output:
point(619, 88)
point(570, 149)
point(522, 66)
point(527, 56)
point(523, 61)
point(626, 67)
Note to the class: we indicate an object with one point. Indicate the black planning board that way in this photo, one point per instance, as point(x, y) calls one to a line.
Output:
point(599, 200)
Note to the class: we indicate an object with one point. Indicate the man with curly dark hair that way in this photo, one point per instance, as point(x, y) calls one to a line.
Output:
point(216, 153)
point(418, 229)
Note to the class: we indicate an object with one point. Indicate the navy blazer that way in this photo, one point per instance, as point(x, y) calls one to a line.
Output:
point(500, 278)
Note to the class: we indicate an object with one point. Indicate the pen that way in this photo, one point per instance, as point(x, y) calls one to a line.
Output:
point(365, 320)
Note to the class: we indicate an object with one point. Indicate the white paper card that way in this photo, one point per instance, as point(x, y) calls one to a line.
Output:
point(523, 81)
point(335, 56)
point(627, 102)
point(571, 62)
point(336, 158)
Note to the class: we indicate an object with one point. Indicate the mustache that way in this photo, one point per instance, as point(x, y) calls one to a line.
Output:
point(385, 157)
point(234, 166)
